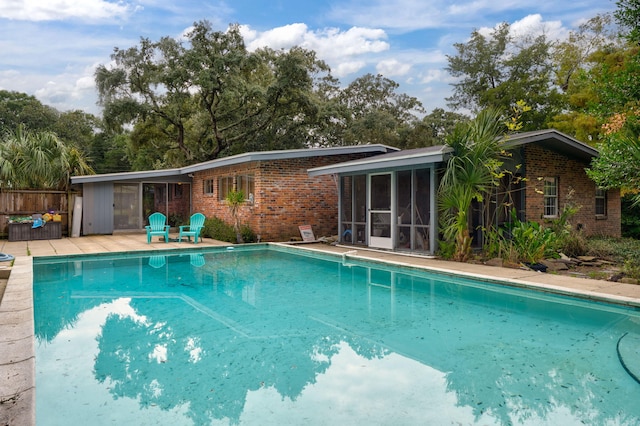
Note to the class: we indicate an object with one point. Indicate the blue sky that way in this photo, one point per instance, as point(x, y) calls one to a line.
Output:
point(50, 49)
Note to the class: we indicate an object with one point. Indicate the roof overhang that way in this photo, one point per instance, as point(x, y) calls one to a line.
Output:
point(393, 160)
point(288, 154)
point(555, 141)
point(165, 175)
point(182, 174)
point(549, 139)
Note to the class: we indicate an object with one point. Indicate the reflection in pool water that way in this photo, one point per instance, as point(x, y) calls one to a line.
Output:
point(268, 337)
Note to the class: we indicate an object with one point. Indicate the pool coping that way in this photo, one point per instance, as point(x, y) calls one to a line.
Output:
point(17, 331)
point(17, 347)
point(526, 278)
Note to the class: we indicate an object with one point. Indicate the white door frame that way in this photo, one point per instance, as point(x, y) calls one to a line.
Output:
point(380, 228)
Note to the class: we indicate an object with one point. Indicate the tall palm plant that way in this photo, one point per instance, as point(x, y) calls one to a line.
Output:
point(470, 172)
point(235, 199)
point(38, 160)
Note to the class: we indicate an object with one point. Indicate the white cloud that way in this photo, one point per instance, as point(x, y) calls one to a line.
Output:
point(53, 10)
point(393, 67)
point(346, 52)
point(435, 75)
point(532, 25)
point(535, 25)
point(346, 68)
point(404, 16)
point(278, 38)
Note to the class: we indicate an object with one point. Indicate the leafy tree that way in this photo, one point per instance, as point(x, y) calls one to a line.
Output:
point(618, 165)
point(433, 129)
point(109, 152)
point(470, 172)
point(576, 52)
point(617, 85)
point(498, 70)
point(576, 67)
point(77, 128)
point(38, 160)
point(376, 113)
point(209, 97)
point(628, 16)
point(21, 109)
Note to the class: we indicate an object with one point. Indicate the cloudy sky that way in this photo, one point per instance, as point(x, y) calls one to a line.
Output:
point(50, 48)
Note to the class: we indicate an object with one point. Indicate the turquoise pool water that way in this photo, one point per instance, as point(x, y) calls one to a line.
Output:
point(265, 336)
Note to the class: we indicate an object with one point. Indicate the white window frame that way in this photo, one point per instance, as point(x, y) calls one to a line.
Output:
point(246, 184)
point(601, 195)
point(209, 186)
point(550, 198)
point(225, 185)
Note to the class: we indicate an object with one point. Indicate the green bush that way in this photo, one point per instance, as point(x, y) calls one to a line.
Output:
point(618, 250)
point(218, 229)
point(248, 236)
point(630, 220)
point(624, 251)
point(573, 244)
point(531, 241)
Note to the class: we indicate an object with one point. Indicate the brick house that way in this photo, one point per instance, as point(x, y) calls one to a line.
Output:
point(389, 201)
point(280, 195)
point(369, 195)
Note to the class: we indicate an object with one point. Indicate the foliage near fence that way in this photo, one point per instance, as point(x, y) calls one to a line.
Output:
point(28, 202)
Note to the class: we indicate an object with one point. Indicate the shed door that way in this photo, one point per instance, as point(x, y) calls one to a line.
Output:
point(97, 208)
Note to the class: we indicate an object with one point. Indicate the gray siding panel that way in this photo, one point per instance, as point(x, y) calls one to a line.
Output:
point(97, 206)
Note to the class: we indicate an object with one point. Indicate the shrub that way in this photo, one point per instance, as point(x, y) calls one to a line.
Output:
point(531, 241)
point(248, 236)
point(520, 241)
point(218, 229)
point(573, 244)
point(618, 250)
point(630, 217)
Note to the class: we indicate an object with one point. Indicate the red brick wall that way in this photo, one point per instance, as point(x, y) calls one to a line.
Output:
point(573, 186)
point(285, 197)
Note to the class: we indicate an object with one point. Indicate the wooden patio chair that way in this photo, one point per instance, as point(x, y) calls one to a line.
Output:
point(157, 226)
point(196, 223)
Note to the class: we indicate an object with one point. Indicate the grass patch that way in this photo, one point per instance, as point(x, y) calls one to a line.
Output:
point(623, 251)
point(617, 250)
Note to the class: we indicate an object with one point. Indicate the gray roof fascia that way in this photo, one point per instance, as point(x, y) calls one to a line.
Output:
point(228, 161)
point(554, 140)
point(127, 176)
point(286, 155)
point(393, 160)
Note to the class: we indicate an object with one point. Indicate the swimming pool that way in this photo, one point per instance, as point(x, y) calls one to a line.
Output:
point(262, 335)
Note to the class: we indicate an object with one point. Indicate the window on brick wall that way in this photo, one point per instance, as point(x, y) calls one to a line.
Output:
point(208, 187)
point(551, 197)
point(601, 202)
point(245, 183)
point(225, 185)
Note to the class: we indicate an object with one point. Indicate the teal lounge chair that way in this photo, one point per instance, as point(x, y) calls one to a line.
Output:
point(157, 261)
point(157, 226)
point(197, 259)
point(196, 223)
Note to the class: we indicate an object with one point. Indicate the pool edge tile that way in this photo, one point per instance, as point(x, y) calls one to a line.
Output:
point(17, 388)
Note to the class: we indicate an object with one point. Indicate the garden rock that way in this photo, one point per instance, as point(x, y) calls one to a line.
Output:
point(496, 261)
point(555, 265)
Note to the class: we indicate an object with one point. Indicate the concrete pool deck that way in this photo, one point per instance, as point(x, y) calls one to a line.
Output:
point(17, 350)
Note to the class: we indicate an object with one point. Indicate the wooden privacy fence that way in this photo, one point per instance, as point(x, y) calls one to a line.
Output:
point(20, 203)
